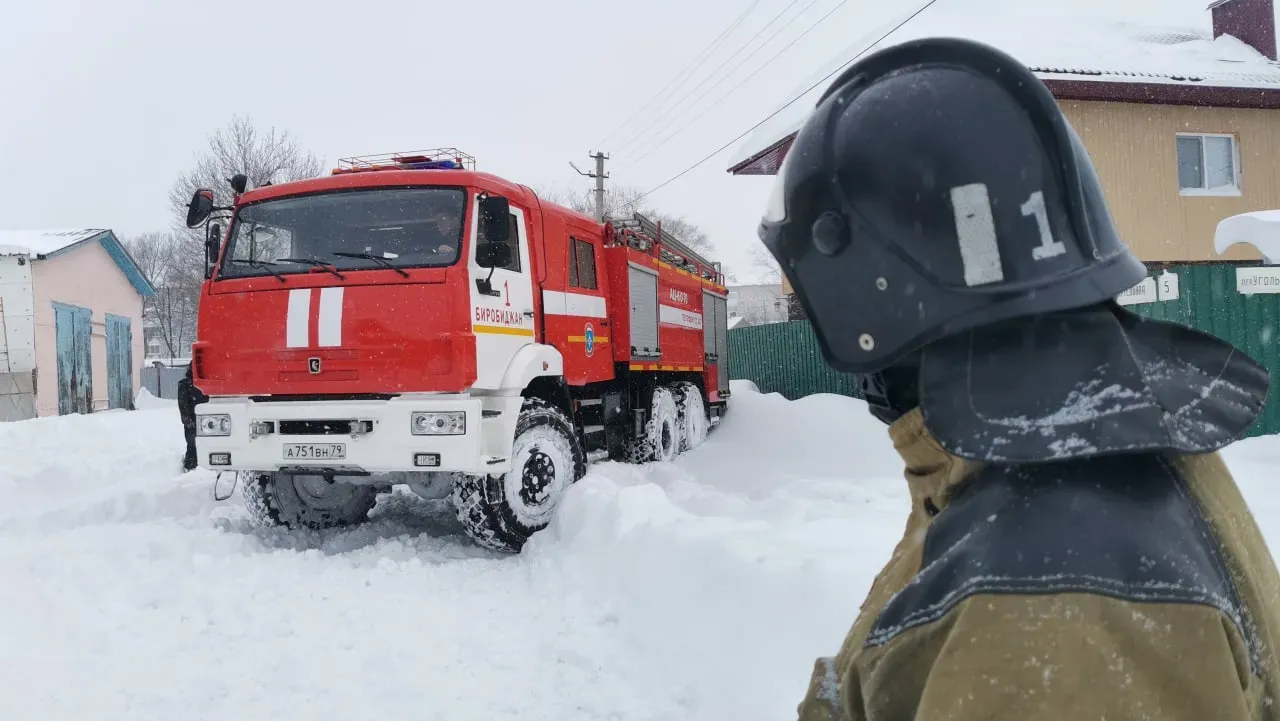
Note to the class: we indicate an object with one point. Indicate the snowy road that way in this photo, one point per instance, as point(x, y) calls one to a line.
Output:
point(698, 590)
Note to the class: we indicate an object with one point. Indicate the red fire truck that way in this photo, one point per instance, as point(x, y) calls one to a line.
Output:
point(407, 320)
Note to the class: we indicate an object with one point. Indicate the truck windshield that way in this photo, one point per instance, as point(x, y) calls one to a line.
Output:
point(400, 227)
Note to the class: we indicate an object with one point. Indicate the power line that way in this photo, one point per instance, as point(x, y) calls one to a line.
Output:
point(770, 116)
point(744, 81)
point(636, 136)
point(680, 112)
point(678, 104)
point(697, 60)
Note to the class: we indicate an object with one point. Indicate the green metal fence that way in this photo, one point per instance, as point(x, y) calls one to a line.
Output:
point(784, 357)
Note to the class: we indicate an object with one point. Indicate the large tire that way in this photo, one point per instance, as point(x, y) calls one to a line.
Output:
point(662, 432)
point(501, 512)
point(304, 501)
point(694, 423)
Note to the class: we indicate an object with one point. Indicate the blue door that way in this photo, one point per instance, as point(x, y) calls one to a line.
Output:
point(119, 362)
point(73, 328)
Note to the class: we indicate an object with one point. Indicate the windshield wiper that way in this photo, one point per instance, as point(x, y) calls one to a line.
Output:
point(317, 263)
point(263, 264)
point(376, 258)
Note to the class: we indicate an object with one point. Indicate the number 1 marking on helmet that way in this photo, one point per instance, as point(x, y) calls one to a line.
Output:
point(976, 231)
point(1048, 248)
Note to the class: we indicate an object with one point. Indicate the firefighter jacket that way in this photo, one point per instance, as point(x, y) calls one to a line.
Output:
point(188, 398)
point(1123, 587)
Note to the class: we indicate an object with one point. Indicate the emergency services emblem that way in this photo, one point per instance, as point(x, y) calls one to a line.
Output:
point(313, 365)
point(590, 336)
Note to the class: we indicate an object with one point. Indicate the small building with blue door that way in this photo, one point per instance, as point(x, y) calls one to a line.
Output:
point(70, 322)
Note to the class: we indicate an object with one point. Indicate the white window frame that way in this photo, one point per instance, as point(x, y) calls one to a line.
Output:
point(1235, 192)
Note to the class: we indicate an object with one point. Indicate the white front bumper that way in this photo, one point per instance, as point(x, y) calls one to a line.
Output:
point(388, 447)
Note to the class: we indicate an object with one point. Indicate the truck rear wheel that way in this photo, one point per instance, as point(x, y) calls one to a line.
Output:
point(305, 501)
point(501, 512)
point(662, 432)
point(693, 415)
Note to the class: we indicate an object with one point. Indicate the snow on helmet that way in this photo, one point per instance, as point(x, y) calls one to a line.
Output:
point(937, 188)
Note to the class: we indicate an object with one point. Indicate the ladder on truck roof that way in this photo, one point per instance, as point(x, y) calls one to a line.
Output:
point(638, 222)
point(411, 160)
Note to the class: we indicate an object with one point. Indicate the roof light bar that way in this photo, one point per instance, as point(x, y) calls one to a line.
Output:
point(434, 159)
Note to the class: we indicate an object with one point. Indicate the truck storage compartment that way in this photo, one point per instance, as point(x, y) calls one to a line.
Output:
point(715, 338)
point(721, 332)
point(643, 293)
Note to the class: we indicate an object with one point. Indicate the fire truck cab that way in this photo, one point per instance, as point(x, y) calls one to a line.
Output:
point(409, 320)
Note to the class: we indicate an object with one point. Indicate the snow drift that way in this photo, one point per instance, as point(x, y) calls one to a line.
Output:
point(702, 589)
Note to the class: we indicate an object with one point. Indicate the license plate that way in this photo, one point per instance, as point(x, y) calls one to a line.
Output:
point(315, 451)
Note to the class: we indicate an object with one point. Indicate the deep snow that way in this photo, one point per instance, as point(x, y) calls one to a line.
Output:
point(702, 589)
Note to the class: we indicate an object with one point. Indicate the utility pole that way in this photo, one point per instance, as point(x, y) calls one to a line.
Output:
point(599, 176)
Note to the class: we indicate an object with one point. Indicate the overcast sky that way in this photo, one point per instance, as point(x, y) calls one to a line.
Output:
point(103, 103)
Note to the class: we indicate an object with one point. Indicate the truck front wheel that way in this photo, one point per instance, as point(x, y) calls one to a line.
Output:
point(501, 512)
point(305, 501)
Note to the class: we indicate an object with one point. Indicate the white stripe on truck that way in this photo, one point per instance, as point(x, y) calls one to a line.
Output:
point(330, 317)
point(297, 332)
point(555, 302)
point(671, 315)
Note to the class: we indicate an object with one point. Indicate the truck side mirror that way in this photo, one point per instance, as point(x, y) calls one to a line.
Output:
point(200, 207)
point(495, 220)
point(493, 255)
point(212, 245)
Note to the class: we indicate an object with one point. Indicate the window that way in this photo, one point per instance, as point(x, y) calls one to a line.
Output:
point(406, 227)
point(261, 242)
point(582, 264)
point(1208, 164)
point(513, 240)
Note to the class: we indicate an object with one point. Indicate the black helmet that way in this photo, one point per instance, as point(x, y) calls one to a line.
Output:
point(937, 188)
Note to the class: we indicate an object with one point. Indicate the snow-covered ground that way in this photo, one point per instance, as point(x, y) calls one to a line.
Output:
point(702, 589)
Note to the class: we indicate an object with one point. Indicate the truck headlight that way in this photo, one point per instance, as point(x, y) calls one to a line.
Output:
point(445, 423)
point(216, 424)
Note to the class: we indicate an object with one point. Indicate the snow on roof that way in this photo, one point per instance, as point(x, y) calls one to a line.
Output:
point(49, 242)
point(1261, 229)
point(43, 242)
point(1133, 41)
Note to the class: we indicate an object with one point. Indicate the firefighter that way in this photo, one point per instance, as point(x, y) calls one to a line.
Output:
point(446, 230)
point(188, 398)
point(1075, 546)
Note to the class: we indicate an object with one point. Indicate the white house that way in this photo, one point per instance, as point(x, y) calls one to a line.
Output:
point(758, 303)
point(70, 322)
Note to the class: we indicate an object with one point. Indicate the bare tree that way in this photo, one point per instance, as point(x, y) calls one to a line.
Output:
point(265, 157)
point(620, 201)
point(151, 252)
point(174, 266)
point(174, 261)
point(763, 262)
